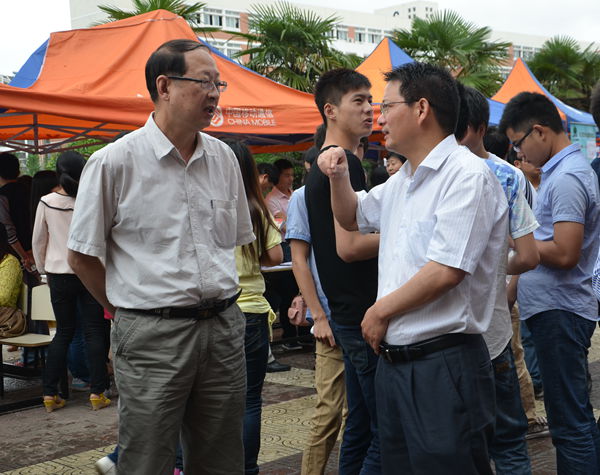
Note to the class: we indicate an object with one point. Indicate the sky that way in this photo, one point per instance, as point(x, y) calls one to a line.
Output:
point(28, 23)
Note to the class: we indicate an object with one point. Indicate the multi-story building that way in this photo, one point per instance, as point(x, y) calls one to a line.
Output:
point(355, 32)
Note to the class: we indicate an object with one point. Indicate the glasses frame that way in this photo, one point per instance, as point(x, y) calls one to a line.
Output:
point(384, 107)
point(220, 86)
point(517, 145)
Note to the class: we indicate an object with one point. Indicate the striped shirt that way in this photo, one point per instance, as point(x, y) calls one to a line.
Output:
point(453, 211)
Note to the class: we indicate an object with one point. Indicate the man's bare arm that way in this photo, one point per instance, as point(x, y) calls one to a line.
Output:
point(353, 246)
point(93, 275)
point(334, 164)
point(564, 250)
point(431, 282)
point(525, 257)
point(306, 284)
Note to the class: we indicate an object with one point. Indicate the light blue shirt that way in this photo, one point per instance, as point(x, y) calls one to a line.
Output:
point(298, 228)
point(568, 192)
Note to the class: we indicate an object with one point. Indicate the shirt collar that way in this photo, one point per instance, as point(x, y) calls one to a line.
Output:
point(163, 147)
point(556, 159)
point(279, 194)
point(437, 156)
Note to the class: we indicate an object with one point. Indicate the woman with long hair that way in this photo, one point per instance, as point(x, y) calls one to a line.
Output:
point(266, 250)
point(67, 293)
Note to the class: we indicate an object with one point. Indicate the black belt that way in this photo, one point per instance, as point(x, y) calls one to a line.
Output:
point(206, 310)
point(404, 353)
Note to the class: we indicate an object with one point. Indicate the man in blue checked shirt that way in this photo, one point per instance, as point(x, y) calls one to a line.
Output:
point(556, 298)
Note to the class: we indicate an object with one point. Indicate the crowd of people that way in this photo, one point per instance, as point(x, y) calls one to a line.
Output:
point(444, 293)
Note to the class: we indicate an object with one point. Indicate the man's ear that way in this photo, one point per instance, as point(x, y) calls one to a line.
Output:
point(162, 87)
point(423, 109)
point(330, 111)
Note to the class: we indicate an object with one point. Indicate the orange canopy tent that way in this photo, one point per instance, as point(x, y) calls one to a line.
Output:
point(90, 83)
point(521, 79)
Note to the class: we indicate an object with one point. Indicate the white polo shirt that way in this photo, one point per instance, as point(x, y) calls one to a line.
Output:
point(168, 229)
point(453, 211)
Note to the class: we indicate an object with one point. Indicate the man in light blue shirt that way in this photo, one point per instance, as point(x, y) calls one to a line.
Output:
point(556, 298)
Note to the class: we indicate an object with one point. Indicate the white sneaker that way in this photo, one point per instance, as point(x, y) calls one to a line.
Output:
point(105, 466)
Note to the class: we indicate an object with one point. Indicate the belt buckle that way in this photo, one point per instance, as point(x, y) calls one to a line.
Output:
point(385, 353)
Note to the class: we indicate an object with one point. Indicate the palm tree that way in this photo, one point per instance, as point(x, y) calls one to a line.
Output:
point(292, 46)
point(448, 40)
point(190, 12)
point(566, 71)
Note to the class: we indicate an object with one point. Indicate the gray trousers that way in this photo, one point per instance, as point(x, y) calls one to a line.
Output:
point(180, 377)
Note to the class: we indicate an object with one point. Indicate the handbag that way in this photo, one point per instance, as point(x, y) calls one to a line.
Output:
point(297, 312)
point(12, 322)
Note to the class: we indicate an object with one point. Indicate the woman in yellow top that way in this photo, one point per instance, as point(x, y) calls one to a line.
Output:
point(266, 250)
point(11, 274)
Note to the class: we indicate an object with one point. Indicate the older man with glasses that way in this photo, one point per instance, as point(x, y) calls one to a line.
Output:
point(166, 206)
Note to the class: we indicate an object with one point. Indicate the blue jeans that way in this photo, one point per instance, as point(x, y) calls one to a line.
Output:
point(531, 360)
point(562, 340)
point(256, 345)
point(359, 452)
point(508, 448)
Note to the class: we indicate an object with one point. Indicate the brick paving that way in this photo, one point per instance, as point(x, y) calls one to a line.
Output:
point(69, 441)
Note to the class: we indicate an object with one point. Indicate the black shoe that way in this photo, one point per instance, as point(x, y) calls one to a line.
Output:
point(277, 367)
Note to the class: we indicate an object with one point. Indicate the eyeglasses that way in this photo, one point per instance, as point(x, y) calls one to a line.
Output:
point(517, 145)
point(385, 106)
point(205, 84)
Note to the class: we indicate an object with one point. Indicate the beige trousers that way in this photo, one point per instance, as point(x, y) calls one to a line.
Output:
point(180, 378)
point(525, 384)
point(330, 410)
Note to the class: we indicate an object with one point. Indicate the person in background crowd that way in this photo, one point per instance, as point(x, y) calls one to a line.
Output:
point(556, 298)
point(393, 163)
point(68, 295)
point(308, 158)
point(265, 250)
point(434, 382)
point(531, 172)
point(281, 286)
point(268, 176)
point(363, 148)
point(595, 110)
point(495, 142)
point(11, 275)
point(379, 175)
point(14, 210)
point(343, 98)
point(508, 448)
point(169, 236)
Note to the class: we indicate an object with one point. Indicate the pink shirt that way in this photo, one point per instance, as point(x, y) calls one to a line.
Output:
point(277, 202)
point(50, 233)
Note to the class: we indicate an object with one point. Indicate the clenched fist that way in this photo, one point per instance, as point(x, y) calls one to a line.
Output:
point(333, 162)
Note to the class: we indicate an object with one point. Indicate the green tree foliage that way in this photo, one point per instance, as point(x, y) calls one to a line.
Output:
point(292, 46)
point(446, 39)
point(567, 71)
point(32, 164)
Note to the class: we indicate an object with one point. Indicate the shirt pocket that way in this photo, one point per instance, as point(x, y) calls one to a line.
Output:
point(224, 218)
point(418, 237)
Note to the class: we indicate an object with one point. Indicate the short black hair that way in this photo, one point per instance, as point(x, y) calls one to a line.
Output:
point(364, 143)
point(334, 84)
point(168, 59)
point(310, 155)
point(512, 156)
point(379, 175)
point(421, 80)
point(496, 142)
point(402, 158)
point(270, 170)
point(462, 122)
point(527, 109)
point(9, 166)
point(319, 137)
point(595, 104)
point(283, 164)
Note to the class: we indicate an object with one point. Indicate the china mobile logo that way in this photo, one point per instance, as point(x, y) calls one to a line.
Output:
point(217, 118)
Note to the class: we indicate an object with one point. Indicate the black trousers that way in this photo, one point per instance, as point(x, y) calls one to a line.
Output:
point(436, 414)
point(69, 297)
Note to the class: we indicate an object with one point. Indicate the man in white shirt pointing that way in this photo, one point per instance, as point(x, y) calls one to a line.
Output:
point(443, 223)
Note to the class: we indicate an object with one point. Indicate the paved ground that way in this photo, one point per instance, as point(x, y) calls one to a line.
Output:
point(69, 441)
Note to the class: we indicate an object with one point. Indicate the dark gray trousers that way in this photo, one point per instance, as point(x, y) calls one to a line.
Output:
point(436, 414)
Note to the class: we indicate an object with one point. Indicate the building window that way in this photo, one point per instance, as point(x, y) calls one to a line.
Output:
point(374, 36)
point(341, 33)
point(232, 20)
point(213, 17)
point(360, 36)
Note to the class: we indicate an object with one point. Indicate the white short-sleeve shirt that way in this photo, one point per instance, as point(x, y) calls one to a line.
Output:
point(168, 229)
point(453, 211)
